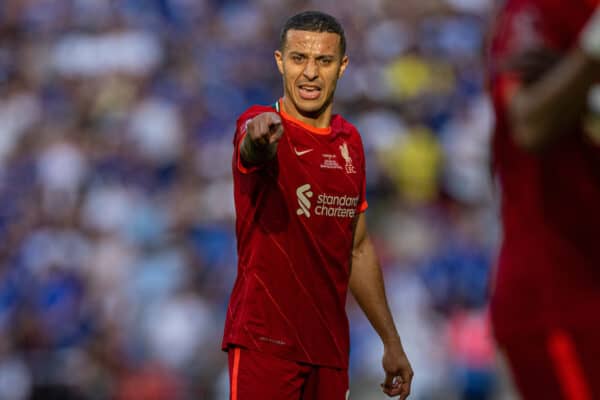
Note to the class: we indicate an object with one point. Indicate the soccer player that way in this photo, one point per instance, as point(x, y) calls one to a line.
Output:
point(545, 306)
point(299, 188)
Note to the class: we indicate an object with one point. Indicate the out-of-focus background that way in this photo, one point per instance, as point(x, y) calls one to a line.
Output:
point(117, 246)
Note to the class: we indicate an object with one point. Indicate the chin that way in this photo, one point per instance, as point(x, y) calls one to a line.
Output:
point(309, 106)
point(312, 108)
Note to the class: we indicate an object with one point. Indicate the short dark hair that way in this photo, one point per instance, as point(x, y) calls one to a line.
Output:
point(313, 21)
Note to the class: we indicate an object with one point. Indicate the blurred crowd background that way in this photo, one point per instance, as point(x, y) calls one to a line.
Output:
point(117, 246)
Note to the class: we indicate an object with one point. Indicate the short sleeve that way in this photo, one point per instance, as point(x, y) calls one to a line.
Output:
point(363, 204)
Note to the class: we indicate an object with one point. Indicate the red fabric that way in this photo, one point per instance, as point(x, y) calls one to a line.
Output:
point(548, 272)
point(294, 228)
point(568, 367)
point(262, 376)
point(557, 365)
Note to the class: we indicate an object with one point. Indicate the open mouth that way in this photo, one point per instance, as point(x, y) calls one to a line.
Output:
point(309, 92)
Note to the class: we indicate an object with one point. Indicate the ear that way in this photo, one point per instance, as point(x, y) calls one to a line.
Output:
point(279, 60)
point(343, 66)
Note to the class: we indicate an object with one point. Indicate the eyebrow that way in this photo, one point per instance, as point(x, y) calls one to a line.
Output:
point(319, 57)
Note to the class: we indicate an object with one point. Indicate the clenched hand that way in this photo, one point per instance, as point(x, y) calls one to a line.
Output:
point(398, 372)
point(263, 132)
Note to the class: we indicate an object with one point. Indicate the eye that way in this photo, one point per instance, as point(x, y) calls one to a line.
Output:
point(297, 58)
point(325, 61)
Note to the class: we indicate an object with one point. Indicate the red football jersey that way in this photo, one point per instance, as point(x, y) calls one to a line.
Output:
point(549, 263)
point(295, 220)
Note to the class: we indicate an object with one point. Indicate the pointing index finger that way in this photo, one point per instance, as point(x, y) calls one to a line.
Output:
point(273, 118)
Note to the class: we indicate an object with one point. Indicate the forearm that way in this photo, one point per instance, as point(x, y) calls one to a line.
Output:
point(540, 112)
point(366, 285)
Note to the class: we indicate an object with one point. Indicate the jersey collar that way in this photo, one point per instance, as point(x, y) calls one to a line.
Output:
point(310, 128)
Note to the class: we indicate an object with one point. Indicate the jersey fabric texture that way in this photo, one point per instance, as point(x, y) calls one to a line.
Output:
point(295, 218)
point(548, 273)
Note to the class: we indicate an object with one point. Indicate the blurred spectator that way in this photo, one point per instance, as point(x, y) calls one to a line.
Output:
point(413, 163)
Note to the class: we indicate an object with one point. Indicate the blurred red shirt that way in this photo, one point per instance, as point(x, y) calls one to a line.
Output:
point(294, 226)
point(549, 263)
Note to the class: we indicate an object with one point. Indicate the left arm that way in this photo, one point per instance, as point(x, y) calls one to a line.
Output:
point(366, 285)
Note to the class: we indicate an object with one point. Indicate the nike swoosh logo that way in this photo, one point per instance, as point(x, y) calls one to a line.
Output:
point(302, 152)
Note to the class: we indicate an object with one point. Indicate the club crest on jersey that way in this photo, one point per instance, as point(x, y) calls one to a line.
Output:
point(349, 167)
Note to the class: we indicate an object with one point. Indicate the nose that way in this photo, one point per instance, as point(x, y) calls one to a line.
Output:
point(311, 70)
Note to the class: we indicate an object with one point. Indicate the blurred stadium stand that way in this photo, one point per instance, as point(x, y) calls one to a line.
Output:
point(116, 217)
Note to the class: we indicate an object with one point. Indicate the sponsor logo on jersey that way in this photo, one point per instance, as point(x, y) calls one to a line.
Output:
point(304, 194)
point(327, 205)
point(302, 152)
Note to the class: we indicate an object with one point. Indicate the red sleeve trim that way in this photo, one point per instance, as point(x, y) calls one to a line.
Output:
point(363, 206)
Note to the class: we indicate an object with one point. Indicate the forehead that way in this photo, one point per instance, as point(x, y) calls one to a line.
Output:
point(312, 42)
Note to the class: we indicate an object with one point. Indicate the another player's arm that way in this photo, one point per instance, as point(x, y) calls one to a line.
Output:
point(366, 285)
point(541, 109)
point(262, 136)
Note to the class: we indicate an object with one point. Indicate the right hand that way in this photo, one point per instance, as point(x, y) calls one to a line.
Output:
point(265, 129)
point(262, 135)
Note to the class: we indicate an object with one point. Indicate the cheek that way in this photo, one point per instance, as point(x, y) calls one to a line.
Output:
point(331, 78)
point(291, 74)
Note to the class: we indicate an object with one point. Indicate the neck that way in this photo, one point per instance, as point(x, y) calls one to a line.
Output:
point(318, 119)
